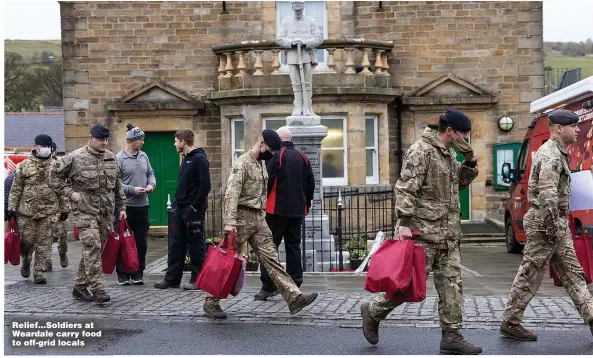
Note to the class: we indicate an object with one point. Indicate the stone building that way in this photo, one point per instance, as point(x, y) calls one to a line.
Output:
point(386, 70)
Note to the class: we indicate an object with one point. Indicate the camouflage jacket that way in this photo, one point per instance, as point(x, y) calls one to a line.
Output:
point(31, 194)
point(247, 187)
point(427, 192)
point(549, 181)
point(96, 176)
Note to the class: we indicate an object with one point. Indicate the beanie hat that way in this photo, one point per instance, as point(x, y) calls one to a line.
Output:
point(134, 133)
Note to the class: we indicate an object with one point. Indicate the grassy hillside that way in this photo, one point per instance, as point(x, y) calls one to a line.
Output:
point(585, 63)
point(27, 48)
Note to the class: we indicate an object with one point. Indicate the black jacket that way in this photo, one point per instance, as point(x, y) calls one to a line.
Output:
point(291, 183)
point(194, 181)
point(7, 185)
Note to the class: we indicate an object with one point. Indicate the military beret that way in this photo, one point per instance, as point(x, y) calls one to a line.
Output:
point(43, 139)
point(99, 131)
point(458, 120)
point(272, 139)
point(563, 117)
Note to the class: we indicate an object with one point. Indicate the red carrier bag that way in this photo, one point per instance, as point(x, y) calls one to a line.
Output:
point(220, 269)
point(416, 291)
point(584, 250)
point(128, 253)
point(12, 244)
point(75, 233)
point(110, 252)
point(391, 270)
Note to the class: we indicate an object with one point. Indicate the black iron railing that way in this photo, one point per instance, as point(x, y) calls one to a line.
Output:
point(334, 238)
point(557, 78)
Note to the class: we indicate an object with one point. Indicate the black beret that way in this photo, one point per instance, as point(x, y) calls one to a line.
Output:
point(99, 132)
point(54, 147)
point(458, 120)
point(43, 139)
point(272, 139)
point(563, 117)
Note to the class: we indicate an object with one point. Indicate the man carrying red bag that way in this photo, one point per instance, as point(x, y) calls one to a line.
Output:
point(427, 194)
point(244, 213)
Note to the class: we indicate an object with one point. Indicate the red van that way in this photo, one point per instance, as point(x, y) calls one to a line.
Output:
point(579, 99)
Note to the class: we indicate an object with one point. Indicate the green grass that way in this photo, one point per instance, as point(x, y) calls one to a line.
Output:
point(585, 63)
point(27, 48)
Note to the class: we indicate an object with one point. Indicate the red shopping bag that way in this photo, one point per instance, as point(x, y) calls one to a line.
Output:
point(128, 253)
point(391, 270)
point(241, 278)
point(416, 291)
point(12, 244)
point(75, 233)
point(110, 252)
point(584, 251)
point(220, 269)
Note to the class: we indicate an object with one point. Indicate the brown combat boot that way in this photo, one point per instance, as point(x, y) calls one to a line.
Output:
point(453, 343)
point(64, 260)
point(81, 293)
point(100, 296)
point(517, 331)
point(302, 301)
point(26, 269)
point(49, 266)
point(39, 279)
point(370, 326)
point(214, 312)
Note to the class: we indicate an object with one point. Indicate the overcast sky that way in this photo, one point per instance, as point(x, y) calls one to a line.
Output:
point(564, 20)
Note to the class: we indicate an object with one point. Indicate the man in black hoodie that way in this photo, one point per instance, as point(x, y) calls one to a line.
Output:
point(191, 202)
point(291, 185)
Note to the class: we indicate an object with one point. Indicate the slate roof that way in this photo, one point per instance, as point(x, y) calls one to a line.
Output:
point(21, 128)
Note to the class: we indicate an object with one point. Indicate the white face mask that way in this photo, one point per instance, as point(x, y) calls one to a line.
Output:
point(44, 152)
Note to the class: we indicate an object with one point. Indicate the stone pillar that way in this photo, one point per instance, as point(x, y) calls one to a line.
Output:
point(307, 134)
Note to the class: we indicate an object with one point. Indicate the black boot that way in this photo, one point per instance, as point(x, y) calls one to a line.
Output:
point(164, 285)
point(264, 295)
point(26, 269)
point(39, 279)
point(64, 260)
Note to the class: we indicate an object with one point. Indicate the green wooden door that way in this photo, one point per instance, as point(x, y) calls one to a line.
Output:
point(165, 162)
point(464, 195)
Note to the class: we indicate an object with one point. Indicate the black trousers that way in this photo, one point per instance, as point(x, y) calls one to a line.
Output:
point(186, 238)
point(290, 229)
point(138, 222)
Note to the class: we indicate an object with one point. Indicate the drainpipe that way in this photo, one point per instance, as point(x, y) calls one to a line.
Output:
point(400, 159)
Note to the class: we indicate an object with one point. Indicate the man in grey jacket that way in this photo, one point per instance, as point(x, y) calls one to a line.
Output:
point(139, 181)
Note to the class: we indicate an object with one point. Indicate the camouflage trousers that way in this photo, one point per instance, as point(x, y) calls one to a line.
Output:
point(253, 229)
point(35, 237)
point(93, 233)
point(446, 266)
point(59, 232)
point(539, 251)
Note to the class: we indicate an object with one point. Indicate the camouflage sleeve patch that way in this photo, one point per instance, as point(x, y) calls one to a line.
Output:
point(411, 178)
point(233, 192)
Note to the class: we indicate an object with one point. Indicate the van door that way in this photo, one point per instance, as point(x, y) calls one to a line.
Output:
point(519, 191)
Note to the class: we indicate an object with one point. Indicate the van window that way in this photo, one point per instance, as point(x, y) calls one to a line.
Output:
point(523, 158)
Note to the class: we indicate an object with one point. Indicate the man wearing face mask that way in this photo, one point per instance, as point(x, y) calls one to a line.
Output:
point(91, 178)
point(191, 202)
point(37, 203)
point(427, 194)
point(244, 213)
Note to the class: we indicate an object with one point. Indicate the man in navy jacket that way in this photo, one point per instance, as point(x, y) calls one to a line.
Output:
point(290, 192)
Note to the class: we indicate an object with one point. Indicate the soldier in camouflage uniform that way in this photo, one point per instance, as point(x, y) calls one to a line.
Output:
point(244, 213)
point(94, 187)
point(59, 231)
point(37, 204)
point(427, 200)
point(548, 235)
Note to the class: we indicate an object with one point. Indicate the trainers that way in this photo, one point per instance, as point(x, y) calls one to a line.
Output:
point(164, 285)
point(63, 260)
point(517, 331)
point(26, 269)
point(136, 278)
point(190, 286)
point(370, 326)
point(453, 343)
point(214, 312)
point(48, 267)
point(123, 279)
point(264, 295)
point(100, 296)
point(302, 301)
point(81, 293)
point(39, 279)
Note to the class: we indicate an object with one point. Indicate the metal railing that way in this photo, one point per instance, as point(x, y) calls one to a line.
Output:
point(557, 78)
point(352, 215)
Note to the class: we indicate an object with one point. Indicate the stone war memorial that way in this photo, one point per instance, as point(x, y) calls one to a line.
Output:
point(356, 82)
